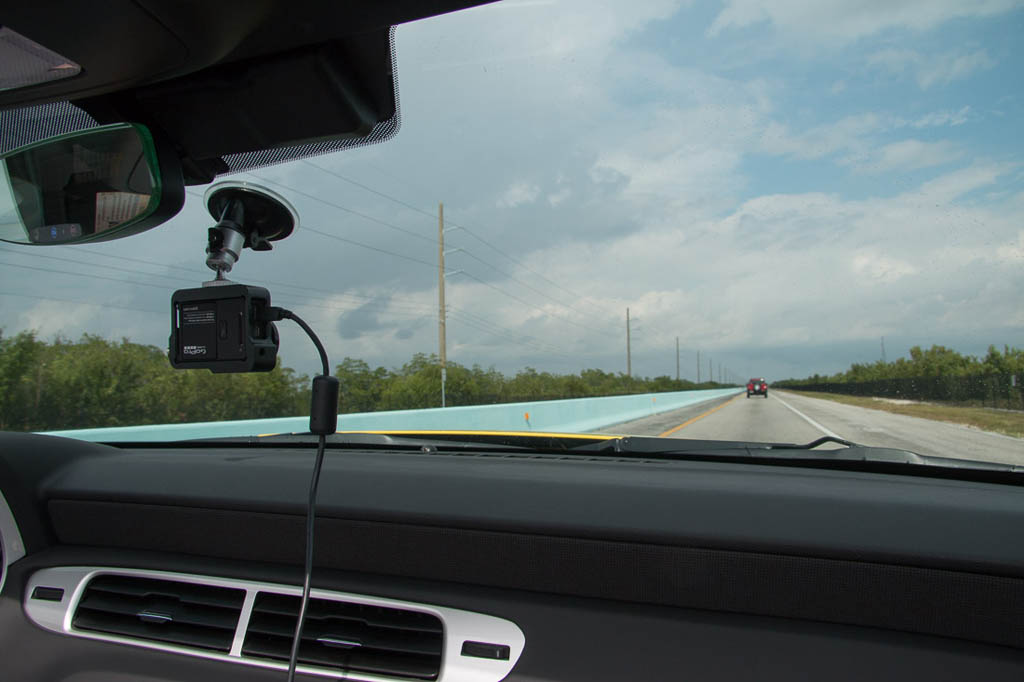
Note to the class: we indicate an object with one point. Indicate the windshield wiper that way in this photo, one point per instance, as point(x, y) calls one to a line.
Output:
point(849, 456)
point(821, 441)
point(415, 442)
point(804, 453)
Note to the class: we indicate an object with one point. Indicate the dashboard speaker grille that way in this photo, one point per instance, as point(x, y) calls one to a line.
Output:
point(169, 611)
point(347, 636)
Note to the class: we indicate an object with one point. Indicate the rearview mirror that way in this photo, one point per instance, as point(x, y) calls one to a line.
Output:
point(90, 186)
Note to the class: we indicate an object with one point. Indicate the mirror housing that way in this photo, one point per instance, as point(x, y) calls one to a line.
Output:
point(89, 186)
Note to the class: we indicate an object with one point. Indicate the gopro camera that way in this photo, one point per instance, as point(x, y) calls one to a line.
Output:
point(223, 329)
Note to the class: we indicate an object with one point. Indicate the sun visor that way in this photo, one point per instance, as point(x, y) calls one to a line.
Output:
point(252, 113)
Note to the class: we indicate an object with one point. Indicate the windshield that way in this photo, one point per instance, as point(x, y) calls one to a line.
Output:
point(627, 207)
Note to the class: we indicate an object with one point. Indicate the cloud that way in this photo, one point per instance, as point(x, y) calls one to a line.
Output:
point(836, 22)
point(958, 183)
point(352, 324)
point(50, 318)
point(662, 182)
point(907, 155)
point(518, 194)
point(1013, 252)
point(943, 118)
point(857, 141)
point(847, 134)
point(931, 70)
point(881, 269)
point(558, 196)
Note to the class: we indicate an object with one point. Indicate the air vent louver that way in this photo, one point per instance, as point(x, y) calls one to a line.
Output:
point(174, 612)
point(347, 636)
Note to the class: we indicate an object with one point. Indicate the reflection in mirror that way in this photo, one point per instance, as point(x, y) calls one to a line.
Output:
point(78, 187)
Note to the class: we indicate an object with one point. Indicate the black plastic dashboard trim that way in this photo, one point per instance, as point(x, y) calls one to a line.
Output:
point(946, 524)
point(970, 606)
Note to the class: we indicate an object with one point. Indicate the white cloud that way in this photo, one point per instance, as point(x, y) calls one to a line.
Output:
point(933, 69)
point(858, 141)
point(943, 118)
point(847, 134)
point(907, 155)
point(629, 177)
point(50, 318)
point(955, 184)
point(557, 197)
point(517, 194)
point(1013, 253)
point(881, 269)
point(840, 21)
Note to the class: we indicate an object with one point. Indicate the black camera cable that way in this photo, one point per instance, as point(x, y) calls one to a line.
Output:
point(323, 421)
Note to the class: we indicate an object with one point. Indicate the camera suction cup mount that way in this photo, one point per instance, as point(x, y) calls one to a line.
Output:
point(248, 216)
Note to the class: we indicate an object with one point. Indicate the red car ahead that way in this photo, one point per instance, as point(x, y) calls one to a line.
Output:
point(757, 387)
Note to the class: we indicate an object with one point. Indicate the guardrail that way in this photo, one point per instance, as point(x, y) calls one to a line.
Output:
point(570, 416)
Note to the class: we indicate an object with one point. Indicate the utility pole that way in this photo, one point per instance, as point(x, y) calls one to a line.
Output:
point(883, 350)
point(441, 311)
point(629, 352)
point(698, 367)
point(677, 358)
point(711, 371)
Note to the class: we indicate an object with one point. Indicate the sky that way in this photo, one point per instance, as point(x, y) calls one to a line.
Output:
point(779, 184)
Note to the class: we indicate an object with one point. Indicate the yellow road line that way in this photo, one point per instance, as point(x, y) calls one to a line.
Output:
point(695, 419)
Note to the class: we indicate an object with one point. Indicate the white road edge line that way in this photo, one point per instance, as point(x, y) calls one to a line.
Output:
point(807, 419)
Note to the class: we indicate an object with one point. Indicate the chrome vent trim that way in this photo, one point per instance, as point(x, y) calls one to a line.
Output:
point(12, 547)
point(458, 626)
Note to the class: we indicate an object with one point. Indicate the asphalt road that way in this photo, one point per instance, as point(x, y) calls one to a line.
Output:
point(787, 418)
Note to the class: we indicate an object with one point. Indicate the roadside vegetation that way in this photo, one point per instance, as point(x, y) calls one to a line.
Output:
point(94, 382)
point(935, 375)
point(937, 361)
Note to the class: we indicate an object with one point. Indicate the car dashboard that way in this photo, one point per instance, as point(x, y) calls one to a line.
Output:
point(183, 562)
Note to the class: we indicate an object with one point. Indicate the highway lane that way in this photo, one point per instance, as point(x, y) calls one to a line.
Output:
point(788, 418)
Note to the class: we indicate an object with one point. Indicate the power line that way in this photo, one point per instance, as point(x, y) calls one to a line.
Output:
point(502, 253)
point(317, 303)
point(472, 233)
point(367, 246)
point(339, 207)
point(371, 190)
point(96, 305)
point(514, 279)
point(434, 216)
point(508, 334)
point(522, 342)
point(426, 263)
point(520, 300)
point(369, 301)
point(416, 260)
point(96, 265)
point(82, 274)
point(259, 281)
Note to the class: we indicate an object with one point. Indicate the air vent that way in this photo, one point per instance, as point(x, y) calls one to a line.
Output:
point(169, 611)
point(347, 636)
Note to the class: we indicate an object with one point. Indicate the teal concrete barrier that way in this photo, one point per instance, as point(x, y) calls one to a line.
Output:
point(571, 416)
